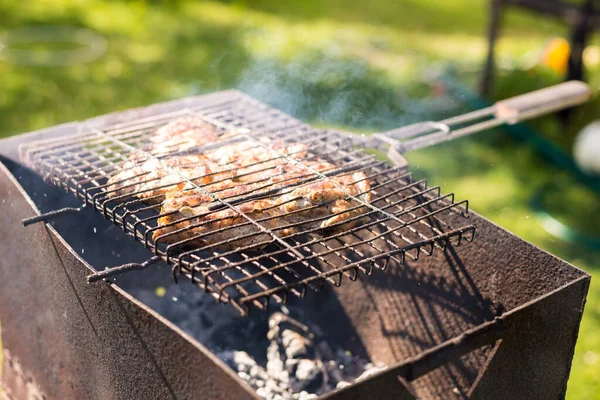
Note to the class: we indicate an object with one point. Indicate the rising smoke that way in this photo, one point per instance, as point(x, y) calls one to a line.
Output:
point(324, 89)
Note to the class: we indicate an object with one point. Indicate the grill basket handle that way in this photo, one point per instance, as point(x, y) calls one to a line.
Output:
point(544, 101)
point(509, 111)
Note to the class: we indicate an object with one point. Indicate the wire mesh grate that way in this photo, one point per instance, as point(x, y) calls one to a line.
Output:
point(266, 208)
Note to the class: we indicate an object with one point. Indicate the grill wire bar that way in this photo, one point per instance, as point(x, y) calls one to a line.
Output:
point(403, 219)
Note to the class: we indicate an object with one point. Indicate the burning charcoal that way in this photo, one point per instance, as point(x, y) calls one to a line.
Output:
point(342, 384)
point(295, 344)
point(275, 364)
point(294, 337)
point(304, 396)
point(371, 371)
point(258, 373)
point(243, 361)
point(307, 370)
point(290, 364)
point(246, 368)
point(298, 366)
point(270, 390)
point(334, 372)
point(244, 376)
point(274, 326)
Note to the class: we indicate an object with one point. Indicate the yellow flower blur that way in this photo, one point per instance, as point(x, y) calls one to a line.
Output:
point(556, 55)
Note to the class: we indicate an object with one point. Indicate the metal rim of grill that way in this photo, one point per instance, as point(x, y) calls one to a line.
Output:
point(404, 219)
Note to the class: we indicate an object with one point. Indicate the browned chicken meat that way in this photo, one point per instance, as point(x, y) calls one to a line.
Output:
point(321, 206)
point(227, 166)
point(184, 134)
point(154, 177)
point(269, 182)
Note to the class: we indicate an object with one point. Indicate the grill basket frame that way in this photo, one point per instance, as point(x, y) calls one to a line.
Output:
point(404, 219)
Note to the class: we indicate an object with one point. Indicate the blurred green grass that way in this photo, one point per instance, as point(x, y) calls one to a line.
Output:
point(356, 65)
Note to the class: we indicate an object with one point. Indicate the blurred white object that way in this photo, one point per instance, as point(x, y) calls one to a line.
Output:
point(586, 149)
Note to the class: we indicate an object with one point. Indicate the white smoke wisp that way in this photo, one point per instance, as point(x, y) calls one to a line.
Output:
point(329, 90)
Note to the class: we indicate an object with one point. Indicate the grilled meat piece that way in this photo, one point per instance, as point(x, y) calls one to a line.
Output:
point(184, 134)
point(271, 182)
point(244, 161)
point(149, 177)
point(323, 205)
point(152, 179)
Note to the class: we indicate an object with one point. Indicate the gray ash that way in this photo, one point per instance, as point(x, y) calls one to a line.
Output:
point(300, 365)
point(276, 354)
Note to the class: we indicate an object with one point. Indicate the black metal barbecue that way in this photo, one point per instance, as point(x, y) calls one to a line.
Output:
point(476, 320)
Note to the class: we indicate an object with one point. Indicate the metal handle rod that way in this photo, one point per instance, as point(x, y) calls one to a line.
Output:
point(121, 269)
point(509, 111)
point(49, 215)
